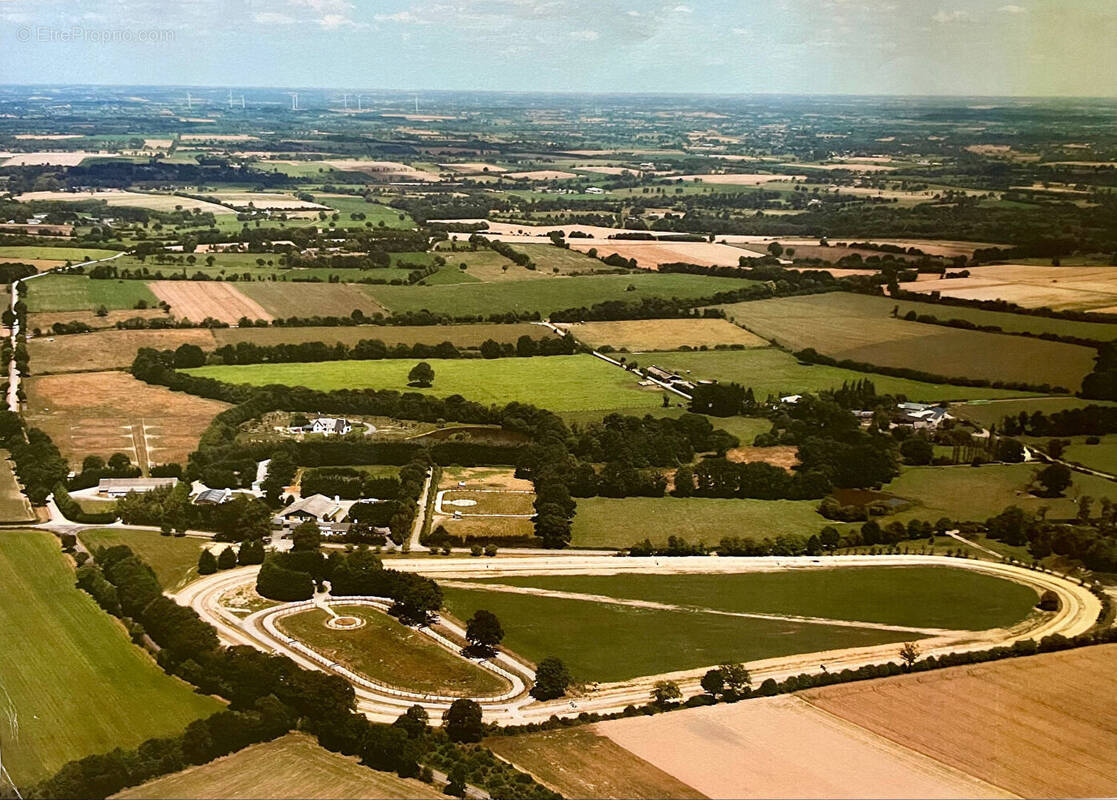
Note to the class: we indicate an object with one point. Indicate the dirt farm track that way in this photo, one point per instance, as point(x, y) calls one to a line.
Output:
point(1078, 611)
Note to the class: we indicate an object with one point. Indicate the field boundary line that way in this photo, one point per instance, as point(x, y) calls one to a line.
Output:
point(652, 604)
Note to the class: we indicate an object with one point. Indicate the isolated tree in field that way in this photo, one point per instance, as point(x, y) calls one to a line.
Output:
point(207, 563)
point(776, 249)
point(713, 682)
point(1054, 478)
point(306, 537)
point(665, 692)
point(484, 631)
point(1009, 450)
point(227, 559)
point(462, 721)
point(551, 679)
point(422, 375)
point(909, 654)
point(829, 537)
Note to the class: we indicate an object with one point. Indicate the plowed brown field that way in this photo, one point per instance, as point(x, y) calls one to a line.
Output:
point(196, 300)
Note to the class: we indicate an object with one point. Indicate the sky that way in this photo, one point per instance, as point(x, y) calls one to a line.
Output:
point(914, 47)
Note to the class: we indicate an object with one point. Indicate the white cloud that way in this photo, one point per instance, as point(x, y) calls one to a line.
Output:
point(947, 17)
point(585, 36)
point(273, 18)
point(741, 31)
point(404, 17)
point(1012, 9)
point(683, 10)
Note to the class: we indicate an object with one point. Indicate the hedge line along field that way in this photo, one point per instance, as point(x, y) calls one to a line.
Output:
point(923, 597)
point(292, 767)
point(1052, 715)
point(560, 383)
point(986, 413)
point(107, 349)
point(459, 335)
point(769, 371)
point(80, 293)
point(577, 762)
point(696, 519)
point(882, 307)
point(73, 683)
point(545, 296)
point(600, 641)
point(388, 652)
point(837, 325)
point(174, 558)
point(662, 334)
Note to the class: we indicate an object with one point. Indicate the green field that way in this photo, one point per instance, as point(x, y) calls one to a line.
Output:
point(14, 505)
point(548, 258)
point(1101, 456)
point(36, 252)
point(174, 558)
point(79, 293)
point(388, 652)
point(968, 493)
point(548, 295)
point(769, 371)
point(244, 267)
point(560, 383)
point(460, 335)
point(71, 683)
point(603, 642)
point(937, 597)
point(608, 522)
point(838, 324)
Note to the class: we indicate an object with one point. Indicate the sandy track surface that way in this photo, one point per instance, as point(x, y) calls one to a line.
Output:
point(783, 747)
point(650, 255)
point(196, 300)
point(1078, 611)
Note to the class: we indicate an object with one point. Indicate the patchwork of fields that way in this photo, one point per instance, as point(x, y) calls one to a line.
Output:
point(107, 350)
point(1085, 288)
point(663, 334)
point(79, 293)
point(841, 326)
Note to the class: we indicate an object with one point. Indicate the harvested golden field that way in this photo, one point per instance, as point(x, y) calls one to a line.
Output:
point(581, 763)
point(783, 747)
point(114, 197)
point(839, 325)
point(663, 334)
point(473, 167)
point(1044, 726)
point(1093, 288)
point(263, 200)
point(542, 175)
point(85, 352)
point(42, 320)
point(101, 413)
point(41, 264)
point(783, 456)
point(460, 335)
point(736, 178)
point(196, 300)
point(650, 255)
point(292, 767)
point(70, 159)
point(392, 170)
point(282, 299)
